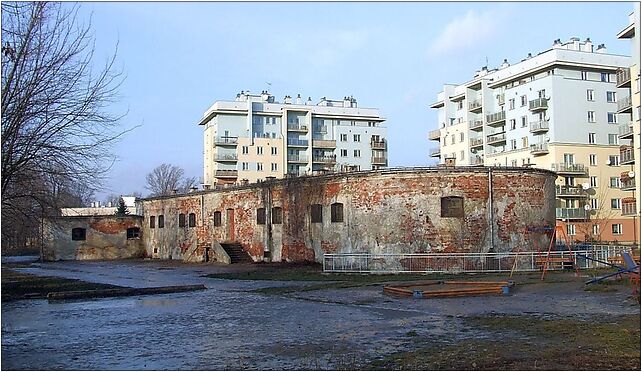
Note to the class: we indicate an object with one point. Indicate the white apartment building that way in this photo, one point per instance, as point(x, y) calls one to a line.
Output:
point(255, 137)
point(557, 110)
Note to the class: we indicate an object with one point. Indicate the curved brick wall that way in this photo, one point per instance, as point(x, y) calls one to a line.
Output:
point(385, 211)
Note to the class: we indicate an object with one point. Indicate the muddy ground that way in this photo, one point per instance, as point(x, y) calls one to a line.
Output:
point(275, 317)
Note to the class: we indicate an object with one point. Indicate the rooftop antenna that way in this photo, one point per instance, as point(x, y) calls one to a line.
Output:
point(486, 61)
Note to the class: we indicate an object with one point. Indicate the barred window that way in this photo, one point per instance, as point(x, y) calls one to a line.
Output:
point(152, 222)
point(181, 220)
point(316, 211)
point(260, 216)
point(133, 233)
point(336, 212)
point(217, 218)
point(78, 233)
point(192, 219)
point(452, 206)
point(161, 221)
point(277, 215)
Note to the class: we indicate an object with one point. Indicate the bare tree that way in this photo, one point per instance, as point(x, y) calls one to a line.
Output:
point(167, 179)
point(57, 133)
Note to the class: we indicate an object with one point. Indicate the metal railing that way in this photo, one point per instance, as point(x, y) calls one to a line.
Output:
point(538, 104)
point(629, 209)
point(496, 117)
point(624, 104)
point(475, 104)
point(625, 129)
point(297, 142)
point(539, 148)
point(570, 213)
point(569, 191)
point(433, 135)
point(223, 173)
point(474, 124)
point(569, 168)
point(627, 183)
point(223, 157)
point(476, 142)
point(622, 76)
point(497, 138)
point(626, 154)
point(226, 140)
point(297, 127)
point(324, 158)
point(466, 262)
point(378, 160)
point(501, 99)
point(299, 158)
point(539, 126)
point(381, 145)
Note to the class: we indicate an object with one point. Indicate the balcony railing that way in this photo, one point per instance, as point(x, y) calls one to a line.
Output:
point(564, 168)
point(297, 142)
point(435, 152)
point(539, 149)
point(538, 104)
point(629, 209)
point(325, 144)
point(623, 77)
point(221, 173)
point(297, 127)
point(497, 138)
point(624, 104)
point(539, 126)
point(626, 130)
point(570, 213)
point(475, 124)
point(477, 160)
point(226, 157)
point(381, 145)
point(434, 135)
point(569, 191)
point(326, 159)
point(626, 155)
point(626, 183)
point(474, 105)
point(501, 99)
point(226, 141)
point(297, 158)
point(378, 160)
point(496, 118)
point(475, 142)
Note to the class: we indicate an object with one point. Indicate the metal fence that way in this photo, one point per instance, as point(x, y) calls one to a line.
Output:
point(467, 262)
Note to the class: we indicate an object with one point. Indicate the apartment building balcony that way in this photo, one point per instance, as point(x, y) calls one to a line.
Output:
point(293, 142)
point(538, 104)
point(434, 135)
point(223, 173)
point(476, 124)
point(496, 139)
point(324, 159)
point(501, 99)
point(378, 160)
point(297, 158)
point(476, 142)
point(626, 131)
point(629, 207)
point(477, 161)
point(627, 183)
point(496, 119)
point(226, 158)
point(475, 106)
point(435, 152)
point(571, 213)
point(294, 127)
point(539, 126)
point(627, 155)
point(226, 141)
point(539, 149)
point(624, 105)
point(623, 77)
point(324, 144)
point(379, 145)
point(565, 192)
point(570, 169)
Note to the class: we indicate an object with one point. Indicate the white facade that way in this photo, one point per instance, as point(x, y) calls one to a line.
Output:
point(255, 137)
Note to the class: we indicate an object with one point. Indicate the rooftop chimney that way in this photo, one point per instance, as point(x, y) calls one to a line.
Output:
point(557, 44)
point(309, 101)
point(264, 96)
point(346, 101)
point(287, 100)
point(601, 49)
point(298, 99)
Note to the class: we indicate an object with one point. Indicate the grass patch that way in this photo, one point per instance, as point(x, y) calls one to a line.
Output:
point(529, 343)
point(17, 286)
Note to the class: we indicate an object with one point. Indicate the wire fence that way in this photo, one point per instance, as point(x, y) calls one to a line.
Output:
point(470, 262)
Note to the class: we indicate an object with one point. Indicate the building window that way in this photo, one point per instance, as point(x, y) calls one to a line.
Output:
point(357, 138)
point(614, 160)
point(344, 152)
point(274, 167)
point(513, 163)
point(316, 213)
point(570, 229)
point(584, 75)
point(245, 166)
point(259, 150)
point(611, 118)
point(524, 121)
point(344, 137)
point(590, 95)
point(611, 97)
point(133, 233)
point(513, 144)
point(613, 139)
point(357, 153)
point(452, 206)
point(596, 229)
point(513, 124)
point(616, 229)
point(78, 233)
point(260, 216)
point(192, 220)
point(616, 203)
point(452, 139)
point(605, 77)
point(511, 104)
point(274, 150)
point(245, 150)
point(161, 221)
point(152, 222)
point(460, 105)
point(524, 142)
point(591, 116)
point(259, 166)
point(592, 159)
point(523, 100)
point(461, 137)
point(277, 216)
point(614, 182)
point(461, 155)
point(216, 218)
point(336, 212)
point(181, 220)
point(595, 203)
point(593, 181)
point(591, 138)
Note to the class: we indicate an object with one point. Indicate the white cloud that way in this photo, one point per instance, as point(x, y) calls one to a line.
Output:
point(468, 31)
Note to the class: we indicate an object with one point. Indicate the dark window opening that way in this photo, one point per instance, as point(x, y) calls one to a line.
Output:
point(181, 220)
point(316, 211)
point(277, 215)
point(260, 216)
point(78, 233)
point(336, 212)
point(192, 219)
point(133, 233)
point(217, 218)
point(152, 222)
point(161, 221)
point(452, 206)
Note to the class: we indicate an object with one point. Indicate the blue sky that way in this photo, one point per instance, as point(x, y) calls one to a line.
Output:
point(179, 58)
